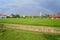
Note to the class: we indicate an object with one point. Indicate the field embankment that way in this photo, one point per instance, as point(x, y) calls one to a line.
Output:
point(41, 29)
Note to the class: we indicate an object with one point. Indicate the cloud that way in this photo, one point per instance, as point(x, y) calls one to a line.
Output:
point(47, 5)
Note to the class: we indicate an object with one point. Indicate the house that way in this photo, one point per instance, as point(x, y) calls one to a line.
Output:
point(3, 15)
point(54, 16)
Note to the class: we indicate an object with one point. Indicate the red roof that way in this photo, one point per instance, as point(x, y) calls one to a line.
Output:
point(3, 15)
point(54, 16)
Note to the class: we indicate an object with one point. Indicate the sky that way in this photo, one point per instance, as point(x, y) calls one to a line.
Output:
point(29, 7)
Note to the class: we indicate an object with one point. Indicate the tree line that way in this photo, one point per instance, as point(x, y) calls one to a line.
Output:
point(14, 16)
point(18, 16)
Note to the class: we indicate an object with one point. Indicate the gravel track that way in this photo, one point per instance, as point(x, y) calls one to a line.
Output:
point(42, 29)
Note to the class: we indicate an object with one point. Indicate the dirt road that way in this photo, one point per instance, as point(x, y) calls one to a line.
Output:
point(43, 29)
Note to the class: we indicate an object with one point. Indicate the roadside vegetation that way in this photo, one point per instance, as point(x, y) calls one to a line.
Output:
point(11, 34)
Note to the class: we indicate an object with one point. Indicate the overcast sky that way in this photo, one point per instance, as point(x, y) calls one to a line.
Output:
point(29, 7)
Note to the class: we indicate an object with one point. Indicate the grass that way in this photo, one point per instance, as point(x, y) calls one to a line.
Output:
point(34, 21)
point(11, 34)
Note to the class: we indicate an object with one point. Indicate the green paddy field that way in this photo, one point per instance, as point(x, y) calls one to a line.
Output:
point(34, 21)
point(11, 34)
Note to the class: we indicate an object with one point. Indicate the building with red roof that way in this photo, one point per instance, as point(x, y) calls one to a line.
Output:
point(54, 16)
point(3, 15)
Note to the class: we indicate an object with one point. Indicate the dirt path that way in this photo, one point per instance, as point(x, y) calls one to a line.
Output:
point(34, 28)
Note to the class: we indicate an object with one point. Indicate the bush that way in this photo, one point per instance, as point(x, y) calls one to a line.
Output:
point(2, 30)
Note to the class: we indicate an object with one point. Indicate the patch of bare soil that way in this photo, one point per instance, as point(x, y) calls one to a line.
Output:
point(42, 29)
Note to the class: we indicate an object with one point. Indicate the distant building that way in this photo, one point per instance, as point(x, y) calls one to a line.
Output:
point(54, 16)
point(3, 15)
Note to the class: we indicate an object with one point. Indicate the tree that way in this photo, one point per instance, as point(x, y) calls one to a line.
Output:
point(46, 15)
point(7, 16)
point(58, 13)
point(13, 16)
point(17, 16)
